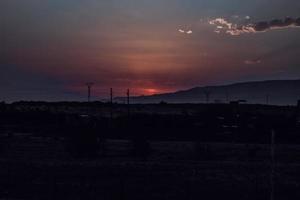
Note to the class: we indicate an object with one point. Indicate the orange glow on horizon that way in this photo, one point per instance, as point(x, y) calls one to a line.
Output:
point(153, 91)
point(103, 92)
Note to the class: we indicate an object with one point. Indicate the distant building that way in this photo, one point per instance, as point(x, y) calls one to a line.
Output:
point(238, 102)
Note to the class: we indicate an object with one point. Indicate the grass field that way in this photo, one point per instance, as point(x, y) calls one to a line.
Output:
point(39, 168)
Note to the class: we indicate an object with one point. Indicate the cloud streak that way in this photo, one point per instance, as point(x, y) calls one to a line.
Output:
point(185, 32)
point(223, 25)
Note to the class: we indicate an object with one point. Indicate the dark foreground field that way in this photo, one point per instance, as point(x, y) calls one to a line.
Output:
point(149, 152)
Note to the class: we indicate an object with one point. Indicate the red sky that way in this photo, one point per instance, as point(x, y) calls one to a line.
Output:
point(136, 44)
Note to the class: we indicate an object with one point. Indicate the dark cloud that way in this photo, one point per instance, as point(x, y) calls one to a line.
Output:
point(262, 26)
point(276, 24)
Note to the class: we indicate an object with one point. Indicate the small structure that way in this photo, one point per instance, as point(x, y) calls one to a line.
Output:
point(238, 102)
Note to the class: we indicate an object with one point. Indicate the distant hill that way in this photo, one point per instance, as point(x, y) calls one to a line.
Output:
point(276, 92)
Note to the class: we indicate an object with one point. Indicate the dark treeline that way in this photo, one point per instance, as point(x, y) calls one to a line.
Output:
point(85, 134)
point(211, 123)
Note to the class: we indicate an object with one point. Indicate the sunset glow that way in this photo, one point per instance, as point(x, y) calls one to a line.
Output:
point(151, 91)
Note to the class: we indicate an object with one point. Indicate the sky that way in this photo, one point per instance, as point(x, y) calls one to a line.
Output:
point(49, 49)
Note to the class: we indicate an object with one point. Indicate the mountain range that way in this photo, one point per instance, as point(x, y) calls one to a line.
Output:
point(275, 92)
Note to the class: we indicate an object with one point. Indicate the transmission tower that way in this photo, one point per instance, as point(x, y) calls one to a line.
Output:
point(128, 102)
point(111, 103)
point(128, 96)
point(111, 96)
point(89, 86)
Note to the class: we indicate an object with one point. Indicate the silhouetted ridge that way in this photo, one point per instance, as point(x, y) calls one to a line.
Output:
point(277, 92)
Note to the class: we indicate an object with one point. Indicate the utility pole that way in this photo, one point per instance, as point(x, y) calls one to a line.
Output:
point(128, 96)
point(111, 103)
point(128, 102)
point(272, 188)
point(111, 96)
point(207, 95)
point(267, 99)
point(89, 86)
